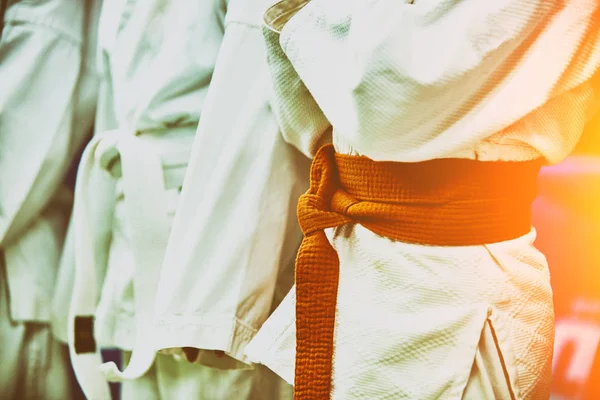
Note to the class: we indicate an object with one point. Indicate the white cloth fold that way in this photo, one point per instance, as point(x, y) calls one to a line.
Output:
point(436, 79)
point(139, 161)
point(508, 80)
point(48, 90)
point(235, 234)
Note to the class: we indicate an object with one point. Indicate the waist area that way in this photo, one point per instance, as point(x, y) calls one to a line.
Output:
point(442, 202)
point(170, 147)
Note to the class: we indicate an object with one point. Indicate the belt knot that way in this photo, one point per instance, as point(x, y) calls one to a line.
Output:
point(325, 204)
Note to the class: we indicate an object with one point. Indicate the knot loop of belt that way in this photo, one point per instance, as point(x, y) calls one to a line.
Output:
point(443, 202)
point(147, 165)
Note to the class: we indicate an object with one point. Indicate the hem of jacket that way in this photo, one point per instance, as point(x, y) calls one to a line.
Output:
point(209, 334)
point(111, 331)
point(263, 349)
point(115, 329)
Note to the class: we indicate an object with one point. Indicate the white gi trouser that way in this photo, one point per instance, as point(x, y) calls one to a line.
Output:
point(148, 166)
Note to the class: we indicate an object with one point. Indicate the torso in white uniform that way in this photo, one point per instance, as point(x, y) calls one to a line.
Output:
point(156, 75)
point(508, 80)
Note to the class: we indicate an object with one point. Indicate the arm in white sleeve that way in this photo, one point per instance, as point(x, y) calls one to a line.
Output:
point(300, 118)
point(342, 56)
point(47, 102)
point(46, 106)
point(387, 76)
point(435, 63)
point(235, 228)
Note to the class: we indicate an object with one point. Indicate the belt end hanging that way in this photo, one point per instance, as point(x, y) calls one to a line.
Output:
point(84, 335)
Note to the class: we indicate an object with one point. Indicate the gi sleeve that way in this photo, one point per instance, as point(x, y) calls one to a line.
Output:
point(47, 100)
point(232, 248)
point(302, 121)
point(405, 60)
point(45, 97)
point(385, 73)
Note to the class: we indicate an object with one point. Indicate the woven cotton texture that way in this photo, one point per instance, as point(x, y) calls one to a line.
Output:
point(385, 77)
point(448, 202)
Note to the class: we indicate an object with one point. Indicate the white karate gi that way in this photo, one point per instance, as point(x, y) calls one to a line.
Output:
point(48, 89)
point(157, 60)
point(235, 236)
point(502, 80)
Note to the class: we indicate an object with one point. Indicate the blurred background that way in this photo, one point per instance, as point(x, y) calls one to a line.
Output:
point(567, 218)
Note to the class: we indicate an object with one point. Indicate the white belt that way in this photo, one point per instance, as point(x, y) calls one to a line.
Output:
point(144, 166)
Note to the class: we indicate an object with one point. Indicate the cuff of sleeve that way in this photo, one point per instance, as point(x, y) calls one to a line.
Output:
point(229, 335)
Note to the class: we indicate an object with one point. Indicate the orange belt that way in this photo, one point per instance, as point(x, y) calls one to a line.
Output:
point(444, 202)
